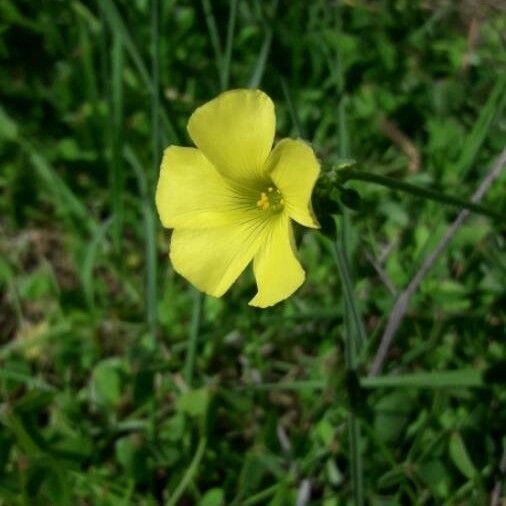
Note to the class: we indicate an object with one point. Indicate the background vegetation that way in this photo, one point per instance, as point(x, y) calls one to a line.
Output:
point(120, 385)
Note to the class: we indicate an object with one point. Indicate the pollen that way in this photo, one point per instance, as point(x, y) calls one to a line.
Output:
point(270, 199)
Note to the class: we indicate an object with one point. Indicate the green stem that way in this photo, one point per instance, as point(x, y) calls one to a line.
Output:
point(151, 254)
point(189, 474)
point(352, 343)
point(348, 174)
point(261, 496)
point(117, 172)
point(345, 274)
point(354, 334)
point(193, 335)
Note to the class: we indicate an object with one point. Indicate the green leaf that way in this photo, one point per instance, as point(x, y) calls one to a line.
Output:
point(194, 403)
point(460, 456)
point(213, 497)
point(8, 128)
point(132, 455)
point(436, 476)
point(392, 413)
point(465, 378)
point(106, 382)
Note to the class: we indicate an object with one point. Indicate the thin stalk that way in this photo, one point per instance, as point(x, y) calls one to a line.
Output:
point(260, 497)
point(118, 26)
point(151, 256)
point(352, 343)
point(148, 206)
point(444, 379)
point(213, 34)
point(190, 473)
point(286, 385)
point(299, 128)
point(358, 175)
point(191, 350)
point(354, 334)
point(346, 280)
point(356, 461)
point(117, 179)
point(263, 55)
point(227, 57)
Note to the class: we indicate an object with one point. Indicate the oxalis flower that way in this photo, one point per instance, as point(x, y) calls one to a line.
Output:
point(231, 200)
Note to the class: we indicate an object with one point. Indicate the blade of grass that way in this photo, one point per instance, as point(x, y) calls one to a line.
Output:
point(299, 128)
point(354, 335)
point(263, 55)
point(89, 262)
point(345, 274)
point(213, 34)
point(88, 27)
point(286, 385)
point(492, 110)
point(227, 56)
point(444, 379)
point(193, 338)
point(63, 197)
point(189, 475)
point(149, 214)
point(151, 266)
point(261, 497)
point(116, 176)
point(118, 26)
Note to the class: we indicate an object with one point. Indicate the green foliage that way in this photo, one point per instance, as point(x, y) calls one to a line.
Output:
point(120, 386)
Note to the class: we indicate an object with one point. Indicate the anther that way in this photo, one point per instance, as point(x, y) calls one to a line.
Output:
point(272, 199)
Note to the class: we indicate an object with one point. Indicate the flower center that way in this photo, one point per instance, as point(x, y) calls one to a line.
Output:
point(271, 199)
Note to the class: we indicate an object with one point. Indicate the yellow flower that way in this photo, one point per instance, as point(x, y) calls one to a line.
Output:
point(231, 200)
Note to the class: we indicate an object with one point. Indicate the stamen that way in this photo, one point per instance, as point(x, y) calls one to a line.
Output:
point(272, 199)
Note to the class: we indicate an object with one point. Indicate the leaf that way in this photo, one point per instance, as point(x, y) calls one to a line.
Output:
point(213, 497)
point(8, 128)
point(255, 467)
point(465, 378)
point(460, 456)
point(132, 455)
point(106, 382)
point(436, 476)
point(194, 403)
point(392, 413)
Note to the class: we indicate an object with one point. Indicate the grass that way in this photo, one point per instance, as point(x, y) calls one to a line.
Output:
point(122, 385)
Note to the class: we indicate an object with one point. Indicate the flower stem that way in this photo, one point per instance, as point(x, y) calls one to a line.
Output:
point(352, 345)
point(348, 174)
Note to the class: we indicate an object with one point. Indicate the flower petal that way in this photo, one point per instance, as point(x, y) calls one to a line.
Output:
point(213, 259)
point(277, 271)
point(235, 131)
point(294, 169)
point(190, 192)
